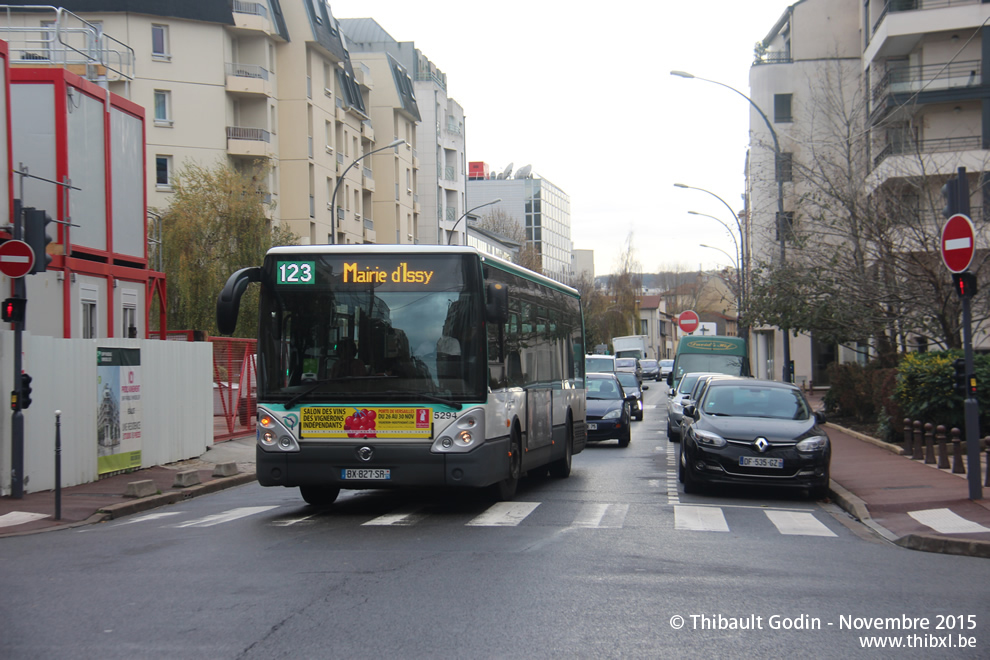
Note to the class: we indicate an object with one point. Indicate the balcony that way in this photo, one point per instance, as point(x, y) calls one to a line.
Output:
point(248, 79)
point(249, 142)
point(927, 78)
point(938, 145)
point(367, 131)
point(251, 16)
point(367, 179)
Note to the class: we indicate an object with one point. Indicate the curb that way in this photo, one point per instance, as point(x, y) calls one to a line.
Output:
point(121, 509)
point(857, 508)
point(893, 449)
point(945, 545)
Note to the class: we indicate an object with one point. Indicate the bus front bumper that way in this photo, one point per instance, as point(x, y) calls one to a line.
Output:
point(407, 464)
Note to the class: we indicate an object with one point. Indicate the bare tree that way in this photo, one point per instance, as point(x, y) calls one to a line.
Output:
point(500, 222)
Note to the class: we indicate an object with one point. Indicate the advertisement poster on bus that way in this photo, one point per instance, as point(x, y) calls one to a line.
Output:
point(374, 422)
point(119, 409)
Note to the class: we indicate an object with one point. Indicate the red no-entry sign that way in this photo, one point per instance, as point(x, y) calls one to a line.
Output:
point(688, 321)
point(16, 258)
point(958, 243)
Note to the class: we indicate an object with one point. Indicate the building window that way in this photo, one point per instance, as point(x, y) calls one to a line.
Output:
point(782, 108)
point(159, 43)
point(163, 172)
point(163, 107)
point(785, 169)
point(128, 316)
point(88, 297)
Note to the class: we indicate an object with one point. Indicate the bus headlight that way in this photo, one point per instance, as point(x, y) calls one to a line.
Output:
point(464, 433)
point(273, 435)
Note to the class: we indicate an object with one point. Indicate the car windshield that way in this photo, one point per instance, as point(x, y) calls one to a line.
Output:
point(687, 383)
point(625, 363)
point(603, 388)
point(627, 379)
point(599, 364)
point(666, 364)
point(648, 364)
point(755, 401)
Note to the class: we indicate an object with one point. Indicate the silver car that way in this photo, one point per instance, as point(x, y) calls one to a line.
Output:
point(677, 399)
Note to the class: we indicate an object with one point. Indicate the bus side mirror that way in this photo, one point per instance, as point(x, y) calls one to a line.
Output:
point(229, 300)
point(497, 307)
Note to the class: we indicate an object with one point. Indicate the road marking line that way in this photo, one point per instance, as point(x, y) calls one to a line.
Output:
point(699, 519)
point(19, 518)
point(404, 516)
point(590, 515)
point(945, 521)
point(226, 516)
point(792, 523)
point(147, 517)
point(504, 514)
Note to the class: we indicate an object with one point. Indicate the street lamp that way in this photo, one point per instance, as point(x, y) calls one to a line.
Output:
point(340, 179)
point(728, 229)
point(780, 201)
point(451, 234)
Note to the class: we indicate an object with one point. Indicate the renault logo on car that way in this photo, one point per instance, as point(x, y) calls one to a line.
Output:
point(761, 444)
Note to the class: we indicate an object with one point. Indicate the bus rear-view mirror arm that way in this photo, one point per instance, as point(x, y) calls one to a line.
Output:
point(229, 300)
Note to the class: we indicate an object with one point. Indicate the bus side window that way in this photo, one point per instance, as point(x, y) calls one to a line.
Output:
point(515, 375)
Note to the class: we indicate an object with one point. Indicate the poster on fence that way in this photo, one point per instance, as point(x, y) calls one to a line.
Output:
point(119, 412)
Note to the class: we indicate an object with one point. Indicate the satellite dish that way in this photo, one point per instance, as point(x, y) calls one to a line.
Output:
point(523, 172)
point(507, 172)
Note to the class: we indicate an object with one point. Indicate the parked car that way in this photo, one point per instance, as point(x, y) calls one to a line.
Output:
point(629, 364)
point(677, 398)
point(651, 369)
point(599, 364)
point(631, 385)
point(666, 366)
point(754, 432)
point(609, 409)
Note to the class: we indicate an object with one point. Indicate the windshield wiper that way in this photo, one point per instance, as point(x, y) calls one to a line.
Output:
point(429, 397)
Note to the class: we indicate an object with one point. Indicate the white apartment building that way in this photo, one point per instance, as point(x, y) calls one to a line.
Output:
point(537, 204)
point(439, 189)
point(236, 81)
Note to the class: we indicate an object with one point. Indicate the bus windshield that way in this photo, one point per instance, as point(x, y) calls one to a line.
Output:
point(370, 327)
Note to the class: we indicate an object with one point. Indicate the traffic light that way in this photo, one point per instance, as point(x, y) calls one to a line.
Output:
point(950, 193)
point(959, 383)
point(25, 391)
point(14, 310)
point(964, 283)
point(35, 224)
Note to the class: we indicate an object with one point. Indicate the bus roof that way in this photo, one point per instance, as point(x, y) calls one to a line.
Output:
point(424, 250)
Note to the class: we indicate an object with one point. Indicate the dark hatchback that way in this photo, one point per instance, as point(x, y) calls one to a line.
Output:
point(633, 387)
point(757, 433)
point(609, 409)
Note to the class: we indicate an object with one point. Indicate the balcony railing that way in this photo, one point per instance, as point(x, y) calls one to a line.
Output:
point(243, 133)
point(253, 8)
point(774, 57)
point(936, 145)
point(893, 6)
point(927, 77)
point(246, 70)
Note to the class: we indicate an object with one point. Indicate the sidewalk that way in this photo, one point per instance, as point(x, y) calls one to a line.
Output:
point(912, 504)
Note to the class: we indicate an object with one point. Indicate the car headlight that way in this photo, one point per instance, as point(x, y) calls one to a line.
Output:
point(707, 438)
point(677, 407)
point(613, 414)
point(814, 443)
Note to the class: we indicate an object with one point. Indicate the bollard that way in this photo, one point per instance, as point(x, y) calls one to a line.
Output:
point(929, 444)
point(908, 431)
point(958, 467)
point(943, 449)
point(918, 439)
point(58, 465)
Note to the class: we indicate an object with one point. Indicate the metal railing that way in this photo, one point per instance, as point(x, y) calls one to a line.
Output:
point(774, 57)
point(907, 79)
point(935, 145)
point(894, 6)
point(244, 133)
point(254, 8)
point(246, 70)
point(66, 41)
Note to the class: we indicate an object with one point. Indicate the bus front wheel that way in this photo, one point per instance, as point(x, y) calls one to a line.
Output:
point(505, 490)
point(318, 496)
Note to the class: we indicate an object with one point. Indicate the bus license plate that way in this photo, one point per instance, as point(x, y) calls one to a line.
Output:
point(375, 474)
point(761, 462)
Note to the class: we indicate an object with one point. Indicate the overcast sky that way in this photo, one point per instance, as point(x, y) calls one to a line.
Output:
point(583, 93)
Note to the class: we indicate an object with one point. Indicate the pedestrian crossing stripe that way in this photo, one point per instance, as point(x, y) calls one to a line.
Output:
point(20, 517)
point(699, 519)
point(795, 523)
point(226, 516)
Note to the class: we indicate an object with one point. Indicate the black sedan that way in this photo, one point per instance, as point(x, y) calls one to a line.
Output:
point(754, 432)
point(609, 409)
point(633, 387)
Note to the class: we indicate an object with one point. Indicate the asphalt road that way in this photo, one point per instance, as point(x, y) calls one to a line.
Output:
point(613, 562)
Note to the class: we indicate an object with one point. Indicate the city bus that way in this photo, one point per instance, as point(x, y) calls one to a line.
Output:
point(386, 366)
point(712, 354)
